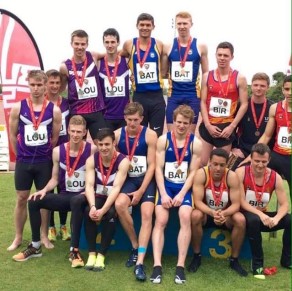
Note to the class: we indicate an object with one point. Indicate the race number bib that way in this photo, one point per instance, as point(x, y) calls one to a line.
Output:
point(34, 137)
point(88, 89)
point(284, 138)
point(147, 74)
point(174, 173)
point(179, 74)
point(219, 107)
point(75, 183)
point(118, 89)
point(138, 166)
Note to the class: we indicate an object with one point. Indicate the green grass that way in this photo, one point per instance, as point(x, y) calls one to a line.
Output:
point(54, 272)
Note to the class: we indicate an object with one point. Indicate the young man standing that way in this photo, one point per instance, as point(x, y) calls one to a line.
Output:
point(177, 159)
point(106, 172)
point(139, 144)
point(34, 127)
point(181, 60)
point(80, 74)
point(222, 90)
point(114, 80)
point(69, 173)
point(217, 202)
point(257, 185)
point(144, 54)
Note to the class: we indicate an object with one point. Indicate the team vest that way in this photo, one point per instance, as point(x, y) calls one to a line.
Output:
point(147, 78)
point(222, 109)
point(283, 137)
point(139, 161)
point(100, 189)
point(183, 80)
point(64, 107)
point(116, 97)
point(250, 195)
point(88, 98)
point(34, 146)
point(209, 199)
point(174, 175)
point(75, 183)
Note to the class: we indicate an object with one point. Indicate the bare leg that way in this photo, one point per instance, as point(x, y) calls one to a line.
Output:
point(206, 152)
point(197, 230)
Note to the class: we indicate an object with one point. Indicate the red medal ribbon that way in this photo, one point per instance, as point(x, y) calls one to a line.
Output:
point(70, 170)
point(111, 79)
point(258, 122)
point(183, 61)
point(287, 118)
point(59, 101)
point(258, 195)
point(36, 123)
point(146, 52)
point(180, 158)
point(79, 80)
point(132, 151)
point(217, 198)
point(105, 179)
point(220, 83)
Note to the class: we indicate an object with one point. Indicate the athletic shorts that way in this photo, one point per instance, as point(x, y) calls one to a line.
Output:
point(26, 174)
point(115, 123)
point(172, 192)
point(133, 184)
point(94, 122)
point(174, 101)
point(216, 142)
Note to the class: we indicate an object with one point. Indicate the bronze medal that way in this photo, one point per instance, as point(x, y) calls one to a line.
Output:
point(257, 133)
point(141, 73)
point(130, 168)
point(179, 172)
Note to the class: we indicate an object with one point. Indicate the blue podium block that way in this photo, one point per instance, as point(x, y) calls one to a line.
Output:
point(215, 243)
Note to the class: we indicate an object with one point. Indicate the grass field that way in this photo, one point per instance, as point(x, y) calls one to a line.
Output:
point(54, 272)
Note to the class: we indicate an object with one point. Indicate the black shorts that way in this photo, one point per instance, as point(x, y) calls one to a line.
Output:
point(216, 142)
point(94, 122)
point(25, 174)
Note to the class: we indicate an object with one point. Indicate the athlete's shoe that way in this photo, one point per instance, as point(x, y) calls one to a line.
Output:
point(132, 258)
point(99, 263)
point(28, 253)
point(52, 233)
point(90, 262)
point(64, 233)
point(76, 259)
point(140, 272)
point(180, 277)
point(156, 276)
point(235, 265)
point(259, 274)
point(195, 263)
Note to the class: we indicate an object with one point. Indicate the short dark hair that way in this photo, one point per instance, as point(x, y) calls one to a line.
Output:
point(220, 153)
point(261, 149)
point(105, 132)
point(287, 79)
point(145, 16)
point(113, 32)
point(225, 45)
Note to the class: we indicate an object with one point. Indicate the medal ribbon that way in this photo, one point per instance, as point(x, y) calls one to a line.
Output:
point(58, 101)
point(132, 151)
point(146, 52)
point(70, 170)
point(112, 79)
point(220, 83)
point(287, 117)
point(258, 195)
point(183, 61)
point(217, 198)
point(258, 122)
point(37, 122)
point(105, 179)
point(180, 158)
point(79, 80)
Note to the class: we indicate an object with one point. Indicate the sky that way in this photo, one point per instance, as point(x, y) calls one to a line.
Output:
point(260, 30)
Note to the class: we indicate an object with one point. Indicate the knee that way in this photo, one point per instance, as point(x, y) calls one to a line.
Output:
point(239, 220)
point(196, 217)
point(78, 201)
point(121, 204)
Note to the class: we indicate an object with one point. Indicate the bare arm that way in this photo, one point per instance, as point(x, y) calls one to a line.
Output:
point(204, 93)
point(126, 50)
point(204, 58)
point(270, 127)
point(90, 182)
point(13, 125)
point(164, 61)
point(57, 123)
point(64, 77)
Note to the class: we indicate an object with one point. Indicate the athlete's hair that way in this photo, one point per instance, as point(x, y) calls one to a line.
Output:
point(287, 79)
point(77, 120)
point(79, 33)
point(261, 76)
point(105, 132)
point(113, 32)
point(219, 153)
point(226, 45)
point(184, 14)
point(38, 75)
point(145, 16)
point(133, 108)
point(261, 149)
point(184, 110)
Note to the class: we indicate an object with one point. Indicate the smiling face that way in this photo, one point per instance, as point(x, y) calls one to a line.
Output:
point(145, 28)
point(183, 26)
point(79, 45)
point(287, 92)
point(54, 85)
point(76, 133)
point(106, 147)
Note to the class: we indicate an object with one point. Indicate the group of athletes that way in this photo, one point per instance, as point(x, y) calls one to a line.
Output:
point(199, 166)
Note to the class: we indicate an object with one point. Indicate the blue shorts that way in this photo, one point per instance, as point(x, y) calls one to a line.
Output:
point(174, 101)
point(134, 183)
point(172, 192)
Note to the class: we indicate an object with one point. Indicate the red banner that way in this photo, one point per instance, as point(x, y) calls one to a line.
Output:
point(19, 54)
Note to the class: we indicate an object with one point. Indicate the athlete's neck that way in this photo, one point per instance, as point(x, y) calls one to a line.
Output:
point(183, 40)
point(144, 41)
point(224, 72)
point(106, 161)
point(133, 132)
point(288, 106)
point(53, 98)
point(37, 100)
point(74, 147)
point(79, 59)
point(111, 58)
point(258, 99)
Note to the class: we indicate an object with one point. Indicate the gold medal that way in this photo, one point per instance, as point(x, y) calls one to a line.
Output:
point(130, 168)
point(141, 73)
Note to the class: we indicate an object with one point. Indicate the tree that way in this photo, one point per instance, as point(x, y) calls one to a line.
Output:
point(275, 91)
